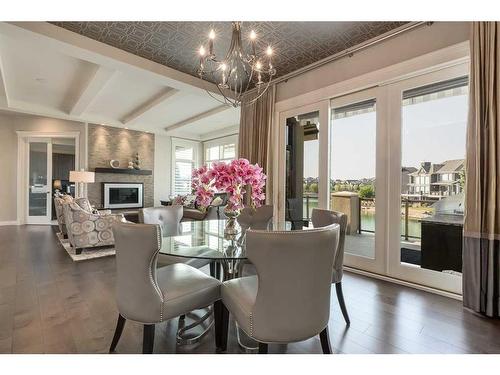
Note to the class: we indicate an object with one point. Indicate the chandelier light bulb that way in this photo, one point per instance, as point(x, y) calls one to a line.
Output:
point(211, 35)
point(269, 51)
point(223, 67)
point(258, 65)
point(202, 51)
point(253, 35)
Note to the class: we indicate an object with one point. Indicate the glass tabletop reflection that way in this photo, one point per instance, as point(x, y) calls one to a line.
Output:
point(206, 240)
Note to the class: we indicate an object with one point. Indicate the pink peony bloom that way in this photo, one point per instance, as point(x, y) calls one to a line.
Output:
point(230, 178)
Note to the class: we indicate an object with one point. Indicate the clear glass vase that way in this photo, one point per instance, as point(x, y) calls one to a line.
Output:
point(232, 227)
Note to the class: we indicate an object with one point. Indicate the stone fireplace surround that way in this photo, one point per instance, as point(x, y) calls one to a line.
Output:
point(106, 143)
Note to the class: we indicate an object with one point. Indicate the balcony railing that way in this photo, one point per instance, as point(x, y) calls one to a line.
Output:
point(311, 200)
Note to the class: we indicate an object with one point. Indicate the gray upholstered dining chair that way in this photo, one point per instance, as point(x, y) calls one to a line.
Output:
point(289, 298)
point(321, 218)
point(258, 218)
point(169, 219)
point(149, 295)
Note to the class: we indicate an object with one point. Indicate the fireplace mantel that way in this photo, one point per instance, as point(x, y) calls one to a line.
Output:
point(144, 172)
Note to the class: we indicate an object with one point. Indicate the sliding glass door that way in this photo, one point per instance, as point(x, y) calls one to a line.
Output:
point(302, 133)
point(391, 158)
point(353, 176)
point(427, 201)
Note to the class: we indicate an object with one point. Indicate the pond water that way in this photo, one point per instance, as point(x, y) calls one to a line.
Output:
point(368, 220)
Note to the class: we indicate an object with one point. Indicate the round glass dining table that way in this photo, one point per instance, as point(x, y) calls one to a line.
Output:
point(207, 240)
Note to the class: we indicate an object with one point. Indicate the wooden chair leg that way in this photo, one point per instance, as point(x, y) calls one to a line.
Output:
point(340, 297)
point(325, 341)
point(148, 339)
point(118, 333)
point(221, 316)
point(263, 348)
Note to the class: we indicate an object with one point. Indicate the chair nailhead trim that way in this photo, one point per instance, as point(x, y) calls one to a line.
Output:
point(151, 265)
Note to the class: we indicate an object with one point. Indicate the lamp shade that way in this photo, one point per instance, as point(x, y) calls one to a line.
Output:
point(81, 176)
point(57, 185)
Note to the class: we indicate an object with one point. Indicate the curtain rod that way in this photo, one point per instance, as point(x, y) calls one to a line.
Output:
point(351, 51)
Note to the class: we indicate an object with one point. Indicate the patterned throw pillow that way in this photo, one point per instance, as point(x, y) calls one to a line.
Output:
point(178, 200)
point(217, 201)
point(190, 201)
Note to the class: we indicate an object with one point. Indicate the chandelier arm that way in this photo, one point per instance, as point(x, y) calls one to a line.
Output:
point(249, 80)
point(227, 100)
point(250, 102)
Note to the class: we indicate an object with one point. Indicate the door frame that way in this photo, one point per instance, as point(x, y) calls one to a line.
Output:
point(323, 107)
point(23, 138)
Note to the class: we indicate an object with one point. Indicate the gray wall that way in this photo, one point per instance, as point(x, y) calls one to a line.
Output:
point(10, 123)
point(106, 143)
point(403, 47)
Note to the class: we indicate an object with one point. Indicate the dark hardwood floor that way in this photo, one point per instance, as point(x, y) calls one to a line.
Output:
point(50, 304)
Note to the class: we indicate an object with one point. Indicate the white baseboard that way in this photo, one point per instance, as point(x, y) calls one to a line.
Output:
point(405, 283)
point(12, 222)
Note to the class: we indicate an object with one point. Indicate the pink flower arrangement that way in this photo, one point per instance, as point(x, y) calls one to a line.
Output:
point(231, 178)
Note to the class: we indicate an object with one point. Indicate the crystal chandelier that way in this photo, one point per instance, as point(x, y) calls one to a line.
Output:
point(238, 71)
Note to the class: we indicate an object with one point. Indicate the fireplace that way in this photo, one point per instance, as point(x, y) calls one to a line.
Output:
point(122, 195)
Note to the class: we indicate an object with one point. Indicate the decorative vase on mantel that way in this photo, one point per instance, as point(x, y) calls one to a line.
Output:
point(232, 227)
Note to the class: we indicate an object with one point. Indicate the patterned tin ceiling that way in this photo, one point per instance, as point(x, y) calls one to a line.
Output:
point(175, 44)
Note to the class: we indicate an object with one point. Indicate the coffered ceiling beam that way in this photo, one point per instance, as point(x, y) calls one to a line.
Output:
point(3, 85)
point(95, 84)
point(87, 49)
point(198, 117)
point(145, 107)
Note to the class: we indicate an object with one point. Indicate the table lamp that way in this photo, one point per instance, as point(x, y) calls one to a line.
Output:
point(81, 177)
point(57, 185)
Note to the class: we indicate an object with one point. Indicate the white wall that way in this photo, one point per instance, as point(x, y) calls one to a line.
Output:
point(162, 169)
point(408, 45)
point(9, 124)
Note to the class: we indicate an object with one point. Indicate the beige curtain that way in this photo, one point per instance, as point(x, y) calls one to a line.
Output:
point(255, 137)
point(481, 260)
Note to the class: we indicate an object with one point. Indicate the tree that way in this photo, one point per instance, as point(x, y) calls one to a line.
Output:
point(367, 191)
point(313, 188)
point(461, 179)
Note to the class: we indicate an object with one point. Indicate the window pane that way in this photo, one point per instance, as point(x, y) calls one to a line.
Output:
point(38, 185)
point(186, 153)
point(213, 153)
point(183, 171)
point(229, 151)
point(433, 151)
point(352, 184)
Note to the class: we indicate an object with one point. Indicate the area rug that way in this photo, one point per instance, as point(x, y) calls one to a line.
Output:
point(86, 254)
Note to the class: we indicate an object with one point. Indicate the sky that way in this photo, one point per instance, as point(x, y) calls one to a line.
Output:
point(432, 131)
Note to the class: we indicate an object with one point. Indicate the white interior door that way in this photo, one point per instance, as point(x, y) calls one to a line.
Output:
point(39, 179)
